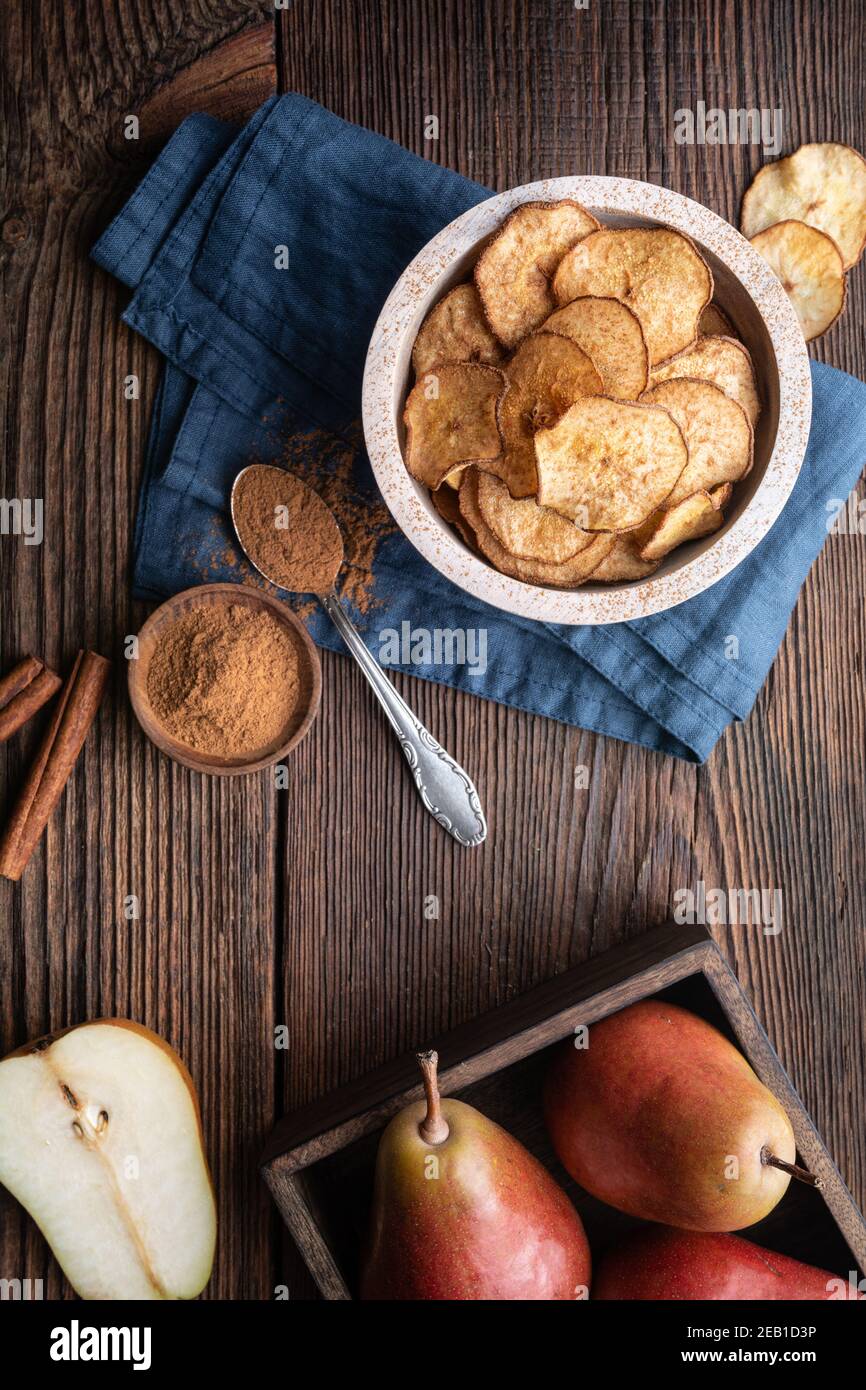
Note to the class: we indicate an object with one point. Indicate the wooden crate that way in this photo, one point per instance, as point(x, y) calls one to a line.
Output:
point(319, 1161)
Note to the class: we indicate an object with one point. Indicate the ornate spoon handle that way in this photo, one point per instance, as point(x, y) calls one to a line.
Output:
point(446, 790)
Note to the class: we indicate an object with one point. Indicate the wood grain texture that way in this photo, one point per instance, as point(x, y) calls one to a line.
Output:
point(198, 963)
point(228, 82)
point(305, 907)
point(531, 90)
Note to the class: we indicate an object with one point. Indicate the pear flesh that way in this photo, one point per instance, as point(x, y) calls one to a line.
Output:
point(661, 1117)
point(468, 1215)
point(660, 1263)
point(100, 1140)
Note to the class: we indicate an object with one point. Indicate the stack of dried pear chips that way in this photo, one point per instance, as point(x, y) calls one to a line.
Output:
point(806, 214)
point(581, 407)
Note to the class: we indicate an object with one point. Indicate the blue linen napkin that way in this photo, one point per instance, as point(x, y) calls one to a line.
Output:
point(264, 361)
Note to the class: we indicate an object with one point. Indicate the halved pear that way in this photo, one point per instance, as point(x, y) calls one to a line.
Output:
point(100, 1140)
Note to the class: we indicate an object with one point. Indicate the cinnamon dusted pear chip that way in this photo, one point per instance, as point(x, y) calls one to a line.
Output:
point(716, 430)
point(611, 335)
point(721, 496)
point(527, 531)
point(567, 575)
point(447, 504)
point(715, 321)
point(455, 330)
point(450, 420)
point(609, 464)
point(722, 361)
point(545, 376)
point(514, 271)
point(823, 185)
point(809, 265)
point(696, 516)
point(623, 562)
point(658, 273)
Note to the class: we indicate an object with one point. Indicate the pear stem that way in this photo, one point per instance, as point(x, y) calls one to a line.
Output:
point(792, 1169)
point(434, 1127)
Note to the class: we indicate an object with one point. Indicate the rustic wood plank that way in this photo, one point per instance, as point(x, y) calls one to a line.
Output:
point(491, 1041)
point(229, 81)
point(306, 907)
point(526, 90)
point(198, 963)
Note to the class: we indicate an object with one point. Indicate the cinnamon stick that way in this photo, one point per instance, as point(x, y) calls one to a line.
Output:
point(20, 676)
point(23, 691)
point(76, 710)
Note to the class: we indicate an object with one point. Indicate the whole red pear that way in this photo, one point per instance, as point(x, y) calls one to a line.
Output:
point(462, 1211)
point(662, 1263)
point(661, 1117)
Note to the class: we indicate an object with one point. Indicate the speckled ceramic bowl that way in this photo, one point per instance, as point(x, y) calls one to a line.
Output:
point(762, 315)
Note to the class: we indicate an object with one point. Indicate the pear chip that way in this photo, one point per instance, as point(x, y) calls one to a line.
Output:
point(455, 330)
point(823, 185)
point(622, 563)
point(715, 322)
point(514, 271)
point(567, 575)
point(546, 375)
point(655, 271)
point(694, 517)
point(527, 531)
point(809, 265)
point(447, 504)
point(715, 428)
point(611, 334)
point(450, 420)
point(609, 464)
point(722, 361)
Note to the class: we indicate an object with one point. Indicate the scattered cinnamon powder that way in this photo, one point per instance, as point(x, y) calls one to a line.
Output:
point(225, 680)
point(332, 465)
point(286, 530)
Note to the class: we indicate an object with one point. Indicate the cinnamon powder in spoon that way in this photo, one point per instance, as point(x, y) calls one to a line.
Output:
point(287, 530)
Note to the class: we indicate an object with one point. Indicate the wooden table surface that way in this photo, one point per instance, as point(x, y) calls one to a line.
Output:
point(304, 908)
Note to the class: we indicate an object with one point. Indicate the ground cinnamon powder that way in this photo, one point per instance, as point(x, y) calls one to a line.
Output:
point(286, 530)
point(225, 680)
point(328, 463)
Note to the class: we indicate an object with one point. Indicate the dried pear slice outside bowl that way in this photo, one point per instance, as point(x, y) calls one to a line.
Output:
point(809, 265)
point(823, 185)
point(746, 291)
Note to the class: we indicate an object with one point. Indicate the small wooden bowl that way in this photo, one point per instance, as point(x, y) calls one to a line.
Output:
point(309, 668)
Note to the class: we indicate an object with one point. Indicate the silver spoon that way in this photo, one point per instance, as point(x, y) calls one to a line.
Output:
point(446, 790)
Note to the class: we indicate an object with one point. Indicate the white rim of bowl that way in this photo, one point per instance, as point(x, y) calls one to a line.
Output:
point(431, 536)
